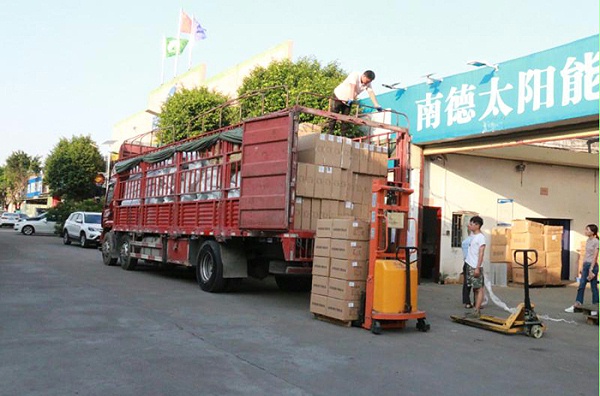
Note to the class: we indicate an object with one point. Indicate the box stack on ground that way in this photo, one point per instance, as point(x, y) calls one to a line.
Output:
point(340, 267)
point(553, 248)
point(334, 178)
point(500, 259)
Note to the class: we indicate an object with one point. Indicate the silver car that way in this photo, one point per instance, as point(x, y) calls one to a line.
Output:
point(10, 219)
point(83, 227)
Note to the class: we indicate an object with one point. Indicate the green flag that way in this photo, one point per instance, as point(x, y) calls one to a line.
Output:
point(174, 46)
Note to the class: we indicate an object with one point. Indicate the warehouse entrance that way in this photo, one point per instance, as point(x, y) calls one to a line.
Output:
point(430, 243)
point(566, 245)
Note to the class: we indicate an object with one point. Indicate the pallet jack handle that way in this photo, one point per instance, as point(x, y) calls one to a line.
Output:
point(525, 264)
point(407, 251)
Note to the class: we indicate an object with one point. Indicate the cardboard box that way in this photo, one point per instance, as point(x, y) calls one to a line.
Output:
point(364, 159)
point(318, 149)
point(320, 285)
point(526, 226)
point(354, 229)
point(499, 236)
point(348, 269)
point(346, 157)
point(306, 213)
point(324, 228)
point(318, 304)
point(355, 153)
point(322, 247)
point(552, 242)
point(526, 241)
point(305, 185)
point(321, 266)
point(345, 289)
point(345, 186)
point(341, 309)
point(549, 230)
point(537, 276)
point(306, 128)
point(553, 276)
point(349, 250)
point(345, 208)
point(541, 259)
point(322, 184)
point(500, 254)
point(554, 259)
point(315, 213)
point(297, 224)
point(362, 212)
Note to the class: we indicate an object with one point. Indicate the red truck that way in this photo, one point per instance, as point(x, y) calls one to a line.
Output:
point(224, 202)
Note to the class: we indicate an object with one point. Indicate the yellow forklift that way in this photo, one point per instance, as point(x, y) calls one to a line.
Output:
point(524, 320)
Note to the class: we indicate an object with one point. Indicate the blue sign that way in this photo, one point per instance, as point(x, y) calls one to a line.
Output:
point(34, 187)
point(550, 86)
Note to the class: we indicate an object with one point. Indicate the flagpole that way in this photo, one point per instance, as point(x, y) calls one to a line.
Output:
point(178, 43)
point(192, 42)
point(163, 52)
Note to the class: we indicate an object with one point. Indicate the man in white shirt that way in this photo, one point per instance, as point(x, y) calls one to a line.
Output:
point(347, 92)
point(474, 260)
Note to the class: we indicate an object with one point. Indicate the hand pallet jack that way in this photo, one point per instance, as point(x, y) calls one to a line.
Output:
point(524, 320)
point(388, 221)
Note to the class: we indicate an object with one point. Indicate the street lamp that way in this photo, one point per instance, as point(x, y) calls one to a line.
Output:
point(108, 143)
point(483, 63)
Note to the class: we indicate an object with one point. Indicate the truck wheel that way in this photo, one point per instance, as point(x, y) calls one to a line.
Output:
point(209, 268)
point(66, 239)
point(128, 263)
point(107, 258)
point(293, 283)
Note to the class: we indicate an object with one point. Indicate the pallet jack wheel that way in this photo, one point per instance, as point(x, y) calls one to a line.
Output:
point(376, 327)
point(423, 325)
point(536, 331)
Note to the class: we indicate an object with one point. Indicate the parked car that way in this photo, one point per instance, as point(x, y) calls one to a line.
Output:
point(83, 227)
point(9, 219)
point(36, 225)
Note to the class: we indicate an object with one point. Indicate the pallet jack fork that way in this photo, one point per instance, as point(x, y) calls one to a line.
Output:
point(389, 211)
point(524, 320)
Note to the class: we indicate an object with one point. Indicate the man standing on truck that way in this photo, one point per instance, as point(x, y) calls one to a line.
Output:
point(347, 92)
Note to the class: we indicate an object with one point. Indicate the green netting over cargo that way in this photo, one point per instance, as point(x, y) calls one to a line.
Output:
point(233, 136)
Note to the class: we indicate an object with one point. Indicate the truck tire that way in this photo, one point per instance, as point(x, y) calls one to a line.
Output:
point(128, 263)
point(293, 283)
point(209, 268)
point(107, 248)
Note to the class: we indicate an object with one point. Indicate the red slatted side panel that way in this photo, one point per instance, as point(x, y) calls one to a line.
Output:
point(266, 162)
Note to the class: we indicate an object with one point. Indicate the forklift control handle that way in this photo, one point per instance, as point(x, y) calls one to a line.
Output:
point(525, 257)
point(408, 250)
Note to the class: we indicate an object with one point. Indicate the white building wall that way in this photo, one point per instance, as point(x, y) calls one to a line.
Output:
point(469, 183)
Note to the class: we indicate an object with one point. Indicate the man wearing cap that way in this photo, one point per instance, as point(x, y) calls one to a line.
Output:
point(347, 92)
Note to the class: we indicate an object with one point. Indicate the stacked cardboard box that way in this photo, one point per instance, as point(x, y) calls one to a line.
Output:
point(526, 234)
point(553, 248)
point(340, 267)
point(500, 252)
point(334, 178)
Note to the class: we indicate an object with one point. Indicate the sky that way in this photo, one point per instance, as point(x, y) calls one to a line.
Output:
point(72, 68)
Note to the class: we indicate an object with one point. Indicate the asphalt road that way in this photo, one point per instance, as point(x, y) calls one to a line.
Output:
point(71, 326)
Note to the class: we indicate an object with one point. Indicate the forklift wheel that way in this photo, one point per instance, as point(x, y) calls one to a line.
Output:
point(376, 327)
point(536, 331)
point(423, 325)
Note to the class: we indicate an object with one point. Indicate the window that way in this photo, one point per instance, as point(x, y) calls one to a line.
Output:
point(460, 221)
point(457, 222)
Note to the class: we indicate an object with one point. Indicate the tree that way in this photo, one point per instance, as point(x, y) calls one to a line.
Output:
point(185, 115)
point(3, 189)
point(71, 167)
point(305, 75)
point(19, 166)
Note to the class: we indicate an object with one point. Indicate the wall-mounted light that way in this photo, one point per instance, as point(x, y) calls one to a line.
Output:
point(432, 80)
point(484, 63)
point(394, 86)
point(521, 167)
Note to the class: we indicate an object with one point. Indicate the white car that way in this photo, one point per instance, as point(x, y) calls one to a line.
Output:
point(10, 219)
point(36, 225)
point(84, 227)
